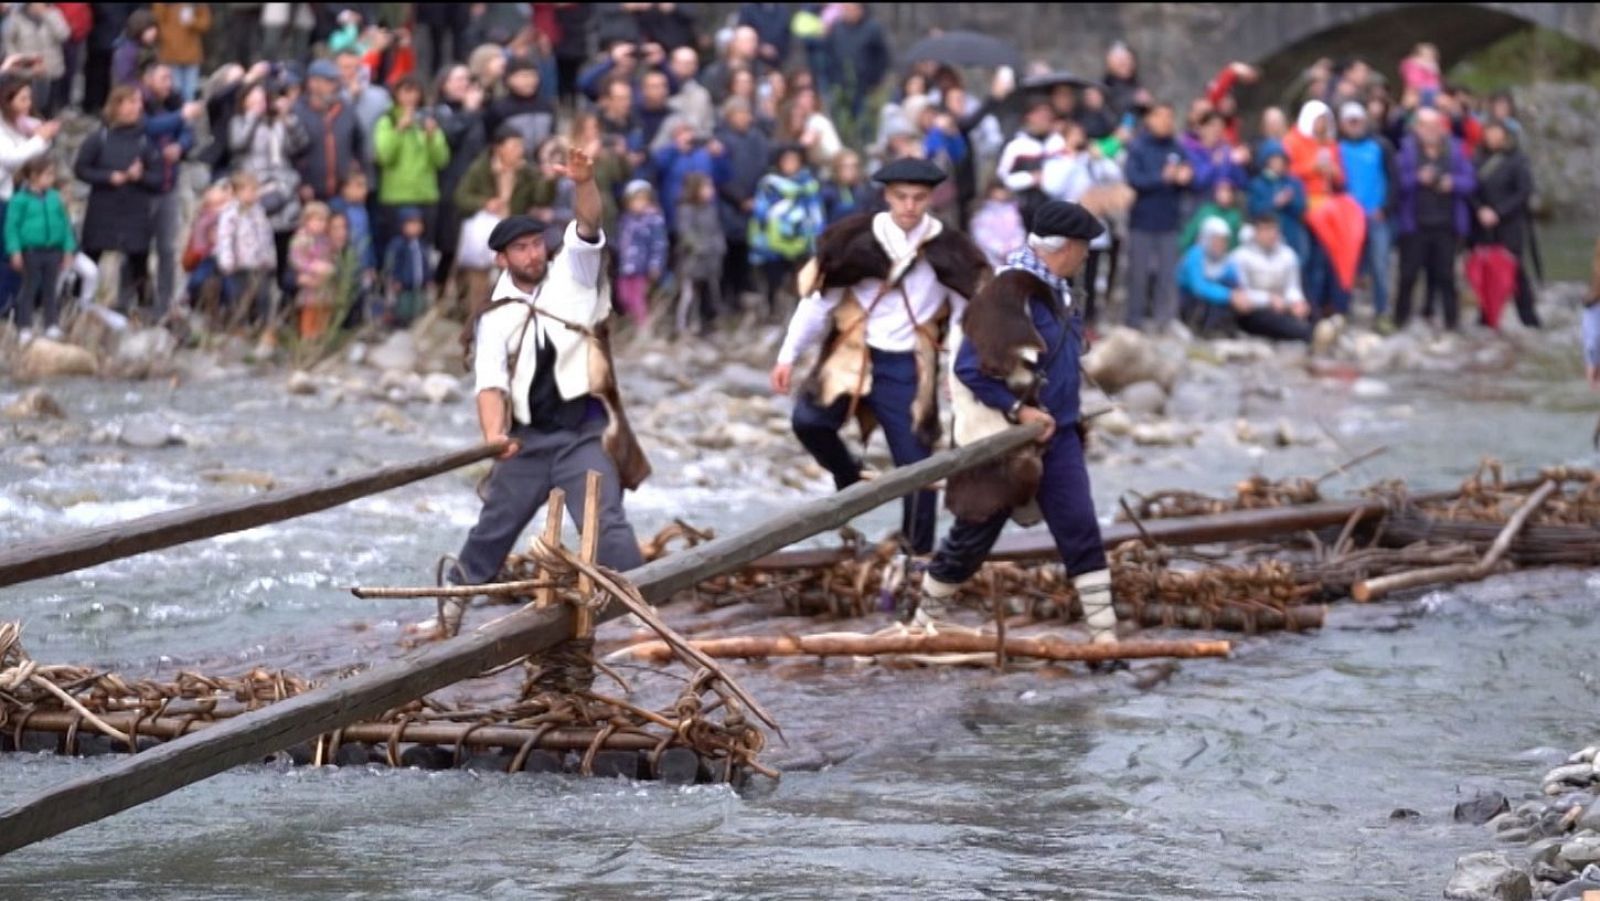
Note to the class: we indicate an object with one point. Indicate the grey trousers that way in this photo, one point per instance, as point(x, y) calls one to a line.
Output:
point(167, 214)
point(1152, 277)
point(519, 487)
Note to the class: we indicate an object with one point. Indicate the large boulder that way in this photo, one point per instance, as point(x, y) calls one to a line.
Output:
point(439, 388)
point(1145, 398)
point(35, 403)
point(148, 431)
point(46, 359)
point(1488, 876)
point(1125, 356)
point(146, 353)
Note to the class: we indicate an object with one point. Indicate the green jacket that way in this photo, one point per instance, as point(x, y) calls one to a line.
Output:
point(478, 187)
point(409, 162)
point(38, 222)
point(1231, 215)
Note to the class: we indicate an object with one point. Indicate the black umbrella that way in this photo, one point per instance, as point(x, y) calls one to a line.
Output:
point(1056, 79)
point(966, 48)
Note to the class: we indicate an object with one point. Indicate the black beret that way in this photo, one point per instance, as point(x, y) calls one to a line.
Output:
point(1060, 218)
point(512, 228)
point(909, 170)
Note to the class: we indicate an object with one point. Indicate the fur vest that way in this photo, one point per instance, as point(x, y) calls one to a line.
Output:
point(847, 254)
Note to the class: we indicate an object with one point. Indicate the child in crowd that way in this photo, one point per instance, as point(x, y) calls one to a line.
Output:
point(1420, 71)
point(702, 245)
point(848, 191)
point(1223, 204)
point(311, 255)
point(642, 247)
point(784, 221)
point(1275, 190)
point(199, 253)
point(40, 243)
point(997, 224)
point(352, 204)
point(406, 273)
point(245, 252)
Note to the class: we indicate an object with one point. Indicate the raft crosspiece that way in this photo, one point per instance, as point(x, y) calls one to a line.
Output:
point(152, 774)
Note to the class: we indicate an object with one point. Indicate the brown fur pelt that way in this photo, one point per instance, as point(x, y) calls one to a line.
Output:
point(619, 441)
point(999, 324)
point(847, 253)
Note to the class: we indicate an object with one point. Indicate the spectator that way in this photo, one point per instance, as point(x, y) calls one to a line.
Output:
point(802, 122)
point(459, 111)
point(166, 125)
point(1085, 174)
point(336, 142)
point(200, 251)
point(997, 225)
point(847, 192)
point(39, 243)
point(689, 152)
point(860, 60)
point(567, 28)
point(650, 114)
point(183, 27)
point(642, 251)
point(1208, 282)
point(80, 21)
point(135, 50)
point(669, 25)
point(1314, 158)
point(1503, 109)
point(747, 151)
point(1214, 159)
point(365, 99)
point(1219, 93)
point(1436, 181)
point(1158, 172)
point(771, 23)
point(105, 34)
point(445, 25)
point(265, 137)
point(488, 67)
point(312, 257)
point(533, 116)
point(1022, 162)
point(1122, 80)
point(22, 139)
point(1221, 206)
point(1504, 186)
point(1096, 118)
point(1278, 192)
point(122, 169)
point(1420, 70)
point(411, 153)
point(692, 100)
point(742, 54)
point(406, 274)
point(360, 240)
point(247, 252)
point(624, 60)
point(785, 221)
point(702, 247)
point(285, 31)
point(499, 182)
point(1272, 304)
point(617, 122)
point(38, 32)
point(1373, 177)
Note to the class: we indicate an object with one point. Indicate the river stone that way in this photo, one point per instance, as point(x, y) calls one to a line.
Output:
point(148, 431)
point(541, 761)
point(398, 351)
point(1572, 774)
point(1143, 397)
point(35, 403)
point(1481, 809)
point(1590, 818)
point(440, 388)
point(678, 766)
point(1488, 876)
point(45, 359)
point(1125, 356)
point(1164, 434)
point(301, 383)
point(616, 764)
point(1519, 835)
point(1581, 851)
point(1116, 423)
point(1585, 756)
point(146, 353)
point(1573, 891)
point(427, 757)
point(1405, 813)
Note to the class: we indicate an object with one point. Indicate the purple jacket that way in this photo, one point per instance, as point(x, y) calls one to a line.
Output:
point(1463, 181)
point(642, 243)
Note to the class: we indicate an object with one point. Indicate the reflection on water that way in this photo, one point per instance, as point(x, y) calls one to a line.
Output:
point(1270, 775)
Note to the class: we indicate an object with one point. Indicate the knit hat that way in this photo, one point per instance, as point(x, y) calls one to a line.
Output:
point(636, 186)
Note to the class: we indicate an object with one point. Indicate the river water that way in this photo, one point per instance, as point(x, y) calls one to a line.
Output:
point(1270, 775)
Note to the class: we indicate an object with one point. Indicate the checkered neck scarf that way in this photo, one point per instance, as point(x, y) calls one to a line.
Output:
point(1029, 262)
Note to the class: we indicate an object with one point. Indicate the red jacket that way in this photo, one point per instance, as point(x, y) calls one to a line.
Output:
point(80, 18)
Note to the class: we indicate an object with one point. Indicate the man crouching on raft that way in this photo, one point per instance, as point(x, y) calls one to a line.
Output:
point(1017, 363)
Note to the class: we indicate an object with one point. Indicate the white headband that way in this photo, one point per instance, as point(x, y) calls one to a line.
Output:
point(1049, 244)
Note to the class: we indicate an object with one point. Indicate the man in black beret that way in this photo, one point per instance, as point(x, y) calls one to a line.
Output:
point(545, 384)
point(1017, 363)
point(878, 296)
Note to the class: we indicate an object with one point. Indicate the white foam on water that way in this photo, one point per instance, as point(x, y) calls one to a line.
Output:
point(99, 513)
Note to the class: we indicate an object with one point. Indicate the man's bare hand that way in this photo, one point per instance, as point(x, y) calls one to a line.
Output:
point(1030, 415)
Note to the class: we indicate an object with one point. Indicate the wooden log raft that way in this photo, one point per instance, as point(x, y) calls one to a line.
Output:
point(855, 644)
point(91, 547)
point(153, 774)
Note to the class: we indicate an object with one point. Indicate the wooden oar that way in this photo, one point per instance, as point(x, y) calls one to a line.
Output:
point(242, 739)
point(91, 547)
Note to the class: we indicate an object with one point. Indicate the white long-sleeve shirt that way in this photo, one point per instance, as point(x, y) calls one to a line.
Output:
point(1025, 148)
point(570, 290)
point(1264, 274)
point(15, 150)
point(1070, 176)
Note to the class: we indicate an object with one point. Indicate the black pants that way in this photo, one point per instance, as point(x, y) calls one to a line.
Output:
point(96, 78)
point(1091, 275)
point(735, 275)
point(1431, 250)
point(776, 274)
point(894, 390)
point(41, 275)
point(1208, 319)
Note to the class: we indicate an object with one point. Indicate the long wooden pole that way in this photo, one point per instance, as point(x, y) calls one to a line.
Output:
point(91, 547)
point(160, 771)
point(848, 644)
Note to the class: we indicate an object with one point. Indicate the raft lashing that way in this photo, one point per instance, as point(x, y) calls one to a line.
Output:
point(559, 722)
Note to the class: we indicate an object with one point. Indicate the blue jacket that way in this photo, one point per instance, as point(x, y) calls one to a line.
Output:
point(360, 230)
point(1058, 363)
point(673, 166)
point(405, 263)
point(163, 125)
point(1215, 288)
point(1158, 207)
point(1262, 198)
point(1370, 172)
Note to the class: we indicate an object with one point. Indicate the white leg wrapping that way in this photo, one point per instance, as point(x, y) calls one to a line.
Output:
point(935, 602)
point(1094, 593)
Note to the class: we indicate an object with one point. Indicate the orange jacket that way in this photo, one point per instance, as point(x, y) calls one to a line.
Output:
point(1303, 151)
point(181, 44)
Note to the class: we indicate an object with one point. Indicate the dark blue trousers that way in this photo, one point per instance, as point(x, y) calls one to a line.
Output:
point(894, 387)
point(1067, 507)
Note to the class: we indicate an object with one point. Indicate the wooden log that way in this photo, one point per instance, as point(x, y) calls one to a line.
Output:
point(145, 777)
point(1535, 545)
point(91, 547)
point(588, 547)
point(554, 509)
point(852, 644)
point(1303, 617)
point(1368, 590)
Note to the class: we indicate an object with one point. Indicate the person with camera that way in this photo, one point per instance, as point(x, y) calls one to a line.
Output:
point(169, 126)
point(36, 33)
point(337, 142)
point(410, 152)
point(264, 136)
